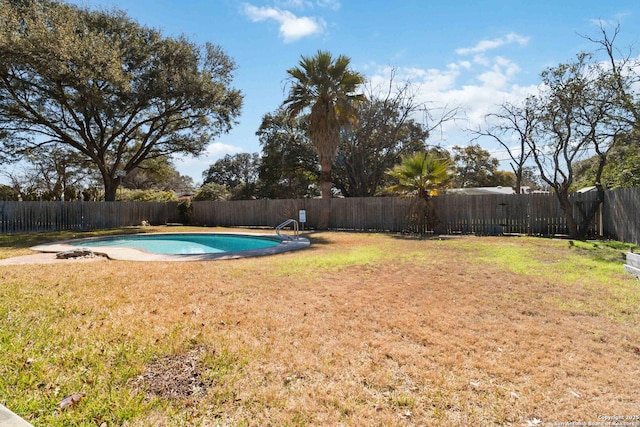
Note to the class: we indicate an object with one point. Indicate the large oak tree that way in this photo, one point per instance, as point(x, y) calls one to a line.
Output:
point(108, 88)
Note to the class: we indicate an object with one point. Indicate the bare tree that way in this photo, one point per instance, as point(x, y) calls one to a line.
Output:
point(513, 127)
point(392, 123)
point(624, 75)
point(581, 115)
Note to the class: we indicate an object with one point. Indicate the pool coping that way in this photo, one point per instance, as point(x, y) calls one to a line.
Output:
point(10, 419)
point(287, 244)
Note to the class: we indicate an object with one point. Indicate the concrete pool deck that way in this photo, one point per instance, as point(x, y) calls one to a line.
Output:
point(131, 254)
point(9, 419)
point(46, 258)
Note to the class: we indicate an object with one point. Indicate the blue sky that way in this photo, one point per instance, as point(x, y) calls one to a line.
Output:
point(471, 54)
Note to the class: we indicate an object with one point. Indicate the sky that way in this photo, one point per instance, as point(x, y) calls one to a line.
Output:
point(473, 54)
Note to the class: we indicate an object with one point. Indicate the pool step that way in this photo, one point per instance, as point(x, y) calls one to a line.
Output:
point(633, 264)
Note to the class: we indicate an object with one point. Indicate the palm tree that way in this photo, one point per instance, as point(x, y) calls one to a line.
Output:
point(421, 176)
point(327, 86)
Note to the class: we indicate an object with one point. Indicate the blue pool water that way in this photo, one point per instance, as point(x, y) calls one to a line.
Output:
point(184, 243)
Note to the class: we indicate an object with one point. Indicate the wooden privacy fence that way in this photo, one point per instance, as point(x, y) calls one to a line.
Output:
point(621, 214)
point(535, 214)
point(27, 217)
point(538, 214)
point(366, 213)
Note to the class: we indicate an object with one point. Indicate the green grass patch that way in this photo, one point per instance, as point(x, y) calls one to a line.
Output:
point(341, 259)
point(592, 266)
point(52, 346)
point(518, 255)
point(311, 261)
point(603, 250)
point(47, 355)
point(566, 260)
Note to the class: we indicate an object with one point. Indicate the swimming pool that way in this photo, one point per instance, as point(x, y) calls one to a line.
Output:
point(184, 243)
point(180, 246)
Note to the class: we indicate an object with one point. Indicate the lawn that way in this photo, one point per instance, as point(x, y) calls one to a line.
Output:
point(359, 329)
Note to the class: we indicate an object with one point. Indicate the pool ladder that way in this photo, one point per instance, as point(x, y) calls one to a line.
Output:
point(284, 224)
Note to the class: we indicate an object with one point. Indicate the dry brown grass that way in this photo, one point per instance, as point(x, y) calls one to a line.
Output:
point(369, 330)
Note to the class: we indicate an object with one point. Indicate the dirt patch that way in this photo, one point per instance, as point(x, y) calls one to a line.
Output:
point(175, 377)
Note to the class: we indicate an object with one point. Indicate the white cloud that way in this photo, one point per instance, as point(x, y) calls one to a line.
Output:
point(476, 88)
point(293, 4)
point(485, 45)
point(429, 79)
point(500, 73)
point(218, 150)
point(302, 4)
point(331, 4)
point(292, 27)
point(610, 23)
point(482, 60)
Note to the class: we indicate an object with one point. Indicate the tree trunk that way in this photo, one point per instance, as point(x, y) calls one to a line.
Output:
point(110, 189)
point(518, 188)
point(589, 214)
point(577, 228)
point(325, 206)
point(565, 204)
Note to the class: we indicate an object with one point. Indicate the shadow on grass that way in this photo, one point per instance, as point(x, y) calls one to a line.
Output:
point(412, 237)
point(314, 238)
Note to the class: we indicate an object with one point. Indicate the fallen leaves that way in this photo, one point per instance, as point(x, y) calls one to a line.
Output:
point(71, 401)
